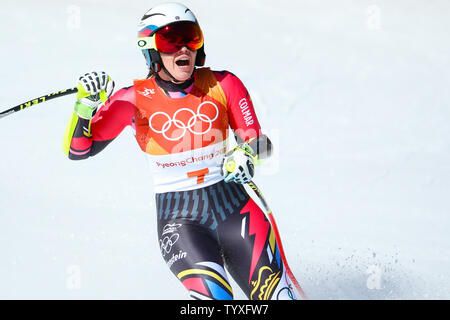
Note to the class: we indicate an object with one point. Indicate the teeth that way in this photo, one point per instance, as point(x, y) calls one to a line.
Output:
point(182, 62)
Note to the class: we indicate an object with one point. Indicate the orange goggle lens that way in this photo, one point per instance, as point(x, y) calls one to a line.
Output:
point(173, 37)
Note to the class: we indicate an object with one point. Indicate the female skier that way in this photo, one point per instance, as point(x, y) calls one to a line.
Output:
point(181, 115)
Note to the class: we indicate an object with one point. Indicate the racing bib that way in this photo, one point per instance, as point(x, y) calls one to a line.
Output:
point(185, 138)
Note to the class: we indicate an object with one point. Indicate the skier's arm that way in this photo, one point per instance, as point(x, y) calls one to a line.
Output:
point(87, 134)
point(242, 116)
point(253, 146)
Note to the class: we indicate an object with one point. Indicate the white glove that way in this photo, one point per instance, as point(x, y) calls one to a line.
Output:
point(238, 165)
point(93, 89)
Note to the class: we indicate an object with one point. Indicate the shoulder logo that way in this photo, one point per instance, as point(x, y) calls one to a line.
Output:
point(246, 113)
point(147, 92)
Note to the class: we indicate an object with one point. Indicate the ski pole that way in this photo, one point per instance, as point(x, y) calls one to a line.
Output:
point(41, 99)
point(278, 238)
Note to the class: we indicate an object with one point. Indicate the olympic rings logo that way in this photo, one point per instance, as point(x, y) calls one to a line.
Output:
point(167, 243)
point(193, 120)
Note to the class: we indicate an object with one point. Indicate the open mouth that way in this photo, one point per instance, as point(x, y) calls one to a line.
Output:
point(182, 62)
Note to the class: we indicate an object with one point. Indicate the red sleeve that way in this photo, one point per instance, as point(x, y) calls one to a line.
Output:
point(107, 124)
point(240, 109)
point(114, 116)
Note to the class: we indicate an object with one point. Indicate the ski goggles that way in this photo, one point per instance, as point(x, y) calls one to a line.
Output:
point(173, 37)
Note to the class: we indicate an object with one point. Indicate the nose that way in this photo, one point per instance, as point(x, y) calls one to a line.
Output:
point(185, 49)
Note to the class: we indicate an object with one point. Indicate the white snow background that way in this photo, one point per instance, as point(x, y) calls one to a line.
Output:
point(354, 93)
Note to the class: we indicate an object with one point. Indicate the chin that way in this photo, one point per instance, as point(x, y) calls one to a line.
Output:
point(184, 75)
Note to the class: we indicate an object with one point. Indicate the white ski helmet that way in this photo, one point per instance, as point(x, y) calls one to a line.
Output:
point(155, 19)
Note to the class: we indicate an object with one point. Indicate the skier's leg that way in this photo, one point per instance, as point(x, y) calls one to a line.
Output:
point(252, 255)
point(194, 258)
point(190, 247)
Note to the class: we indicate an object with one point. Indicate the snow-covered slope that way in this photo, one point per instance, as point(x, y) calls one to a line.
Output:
point(353, 93)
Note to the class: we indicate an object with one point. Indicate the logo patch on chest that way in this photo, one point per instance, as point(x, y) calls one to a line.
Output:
point(147, 92)
point(174, 127)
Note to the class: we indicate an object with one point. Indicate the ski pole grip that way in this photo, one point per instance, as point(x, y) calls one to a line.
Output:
point(230, 165)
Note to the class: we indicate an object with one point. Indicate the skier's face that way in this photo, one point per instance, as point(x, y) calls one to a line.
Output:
point(180, 64)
